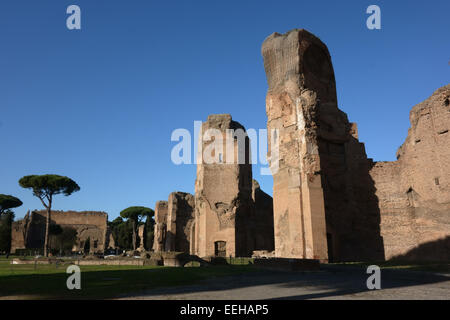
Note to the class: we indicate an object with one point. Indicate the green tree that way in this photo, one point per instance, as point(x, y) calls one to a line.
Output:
point(115, 223)
point(136, 215)
point(8, 202)
point(45, 187)
point(6, 220)
point(115, 226)
point(125, 234)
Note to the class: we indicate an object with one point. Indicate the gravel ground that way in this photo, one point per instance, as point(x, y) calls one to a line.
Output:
point(331, 283)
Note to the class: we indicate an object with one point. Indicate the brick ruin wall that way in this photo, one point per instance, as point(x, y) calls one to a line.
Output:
point(160, 232)
point(229, 211)
point(180, 218)
point(18, 235)
point(223, 191)
point(330, 200)
point(414, 191)
point(292, 111)
point(29, 233)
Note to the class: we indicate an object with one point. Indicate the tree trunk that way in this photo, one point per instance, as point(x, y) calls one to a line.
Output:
point(134, 235)
point(47, 227)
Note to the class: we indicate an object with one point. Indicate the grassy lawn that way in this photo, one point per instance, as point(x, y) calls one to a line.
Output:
point(99, 282)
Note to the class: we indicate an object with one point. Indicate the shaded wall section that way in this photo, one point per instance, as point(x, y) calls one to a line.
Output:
point(180, 217)
point(414, 191)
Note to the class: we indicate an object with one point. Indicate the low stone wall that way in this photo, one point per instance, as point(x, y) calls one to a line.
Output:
point(37, 261)
point(168, 259)
point(110, 262)
point(99, 262)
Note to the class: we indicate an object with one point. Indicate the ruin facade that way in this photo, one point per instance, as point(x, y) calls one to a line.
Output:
point(29, 233)
point(330, 201)
point(229, 215)
point(414, 191)
point(223, 189)
point(141, 237)
point(180, 217)
point(160, 230)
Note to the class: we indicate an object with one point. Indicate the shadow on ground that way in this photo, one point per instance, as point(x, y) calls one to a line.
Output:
point(227, 282)
point(329, 283)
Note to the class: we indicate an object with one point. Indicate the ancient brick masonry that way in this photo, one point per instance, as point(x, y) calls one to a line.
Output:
point(330, 201)
point(324, 207)
point(180, 217)
point(223, 193)
point(141, 235)
point(414, 191)
point(299, 214)
point(233, 216)
point(29, 232)
point(160, 232)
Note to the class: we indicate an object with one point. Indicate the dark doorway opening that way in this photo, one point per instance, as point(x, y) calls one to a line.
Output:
point(220, 249)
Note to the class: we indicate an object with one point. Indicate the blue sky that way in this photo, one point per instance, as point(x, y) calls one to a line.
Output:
point(99, 104)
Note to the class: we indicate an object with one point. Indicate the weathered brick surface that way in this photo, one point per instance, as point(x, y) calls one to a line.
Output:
point(141, 232)
point(223, 194)
point(30, 231)
point(161, 210)
point(295, 93)
point(180, 217)
point(330, 201)
point(233, 216)
point(414, 191)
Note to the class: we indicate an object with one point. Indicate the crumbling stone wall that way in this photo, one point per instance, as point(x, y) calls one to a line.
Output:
point(324, 203)
point(19, 233)
point(291, 107)
point(223, 194)
point(180, 217)
point(161, 210)
point(141, 231)
point(29, 232)
point(414, 191)
point(109, 238)
point(330, 201)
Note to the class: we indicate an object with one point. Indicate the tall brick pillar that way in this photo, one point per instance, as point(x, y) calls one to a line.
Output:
point(223, 190)
point(301, 83)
